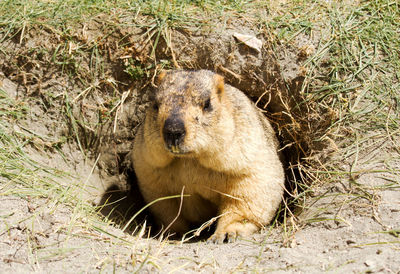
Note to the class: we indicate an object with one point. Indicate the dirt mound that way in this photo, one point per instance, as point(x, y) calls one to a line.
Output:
point(91, 89)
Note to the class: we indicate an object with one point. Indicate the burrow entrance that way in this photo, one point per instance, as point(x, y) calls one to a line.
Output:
point(275, 81)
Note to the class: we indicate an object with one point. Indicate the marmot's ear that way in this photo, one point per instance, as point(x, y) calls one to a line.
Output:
point(160, 77)
point(219, 84)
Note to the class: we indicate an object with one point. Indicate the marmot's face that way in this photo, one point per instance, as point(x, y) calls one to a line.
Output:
point(185, 110)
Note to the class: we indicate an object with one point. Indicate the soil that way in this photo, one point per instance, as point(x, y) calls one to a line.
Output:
point(340, 231)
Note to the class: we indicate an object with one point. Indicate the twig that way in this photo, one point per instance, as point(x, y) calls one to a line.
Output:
point(237, 76)
point(177, 215)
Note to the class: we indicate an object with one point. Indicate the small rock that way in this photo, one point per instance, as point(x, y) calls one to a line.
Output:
point(293, 243)
point(369, 263)
point(249, 40)
point(8, 86)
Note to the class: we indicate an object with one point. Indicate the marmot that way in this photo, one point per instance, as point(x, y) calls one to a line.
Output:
point(207, 137)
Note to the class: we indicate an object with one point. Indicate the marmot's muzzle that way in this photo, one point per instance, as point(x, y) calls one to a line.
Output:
point(174, 133)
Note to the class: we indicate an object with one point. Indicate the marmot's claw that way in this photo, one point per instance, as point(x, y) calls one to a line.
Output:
point(216, 238)
point(219, 238)
point(232, 237)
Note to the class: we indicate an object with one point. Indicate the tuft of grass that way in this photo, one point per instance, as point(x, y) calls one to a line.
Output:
point(16, 167)
point(26, 179)
point(353, 76)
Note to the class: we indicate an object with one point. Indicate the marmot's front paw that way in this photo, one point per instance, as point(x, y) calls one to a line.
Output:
point(219, 238)
point(232, 231)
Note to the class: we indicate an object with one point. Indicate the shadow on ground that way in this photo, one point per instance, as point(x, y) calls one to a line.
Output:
point(127, 209)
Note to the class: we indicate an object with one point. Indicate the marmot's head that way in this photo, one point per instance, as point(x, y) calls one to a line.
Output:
point(186, 110)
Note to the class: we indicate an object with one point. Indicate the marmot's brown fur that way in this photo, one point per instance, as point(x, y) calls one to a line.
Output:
point(208, 138)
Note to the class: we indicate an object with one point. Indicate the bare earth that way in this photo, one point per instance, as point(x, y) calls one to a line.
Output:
point(358, 243)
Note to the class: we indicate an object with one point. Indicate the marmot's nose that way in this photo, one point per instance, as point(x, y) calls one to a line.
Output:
point(174, 131)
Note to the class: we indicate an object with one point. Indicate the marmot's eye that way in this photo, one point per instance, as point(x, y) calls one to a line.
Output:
point(207, 105)
point(155, 106)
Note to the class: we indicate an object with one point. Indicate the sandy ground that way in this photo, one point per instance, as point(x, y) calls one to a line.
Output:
point(365, 240)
